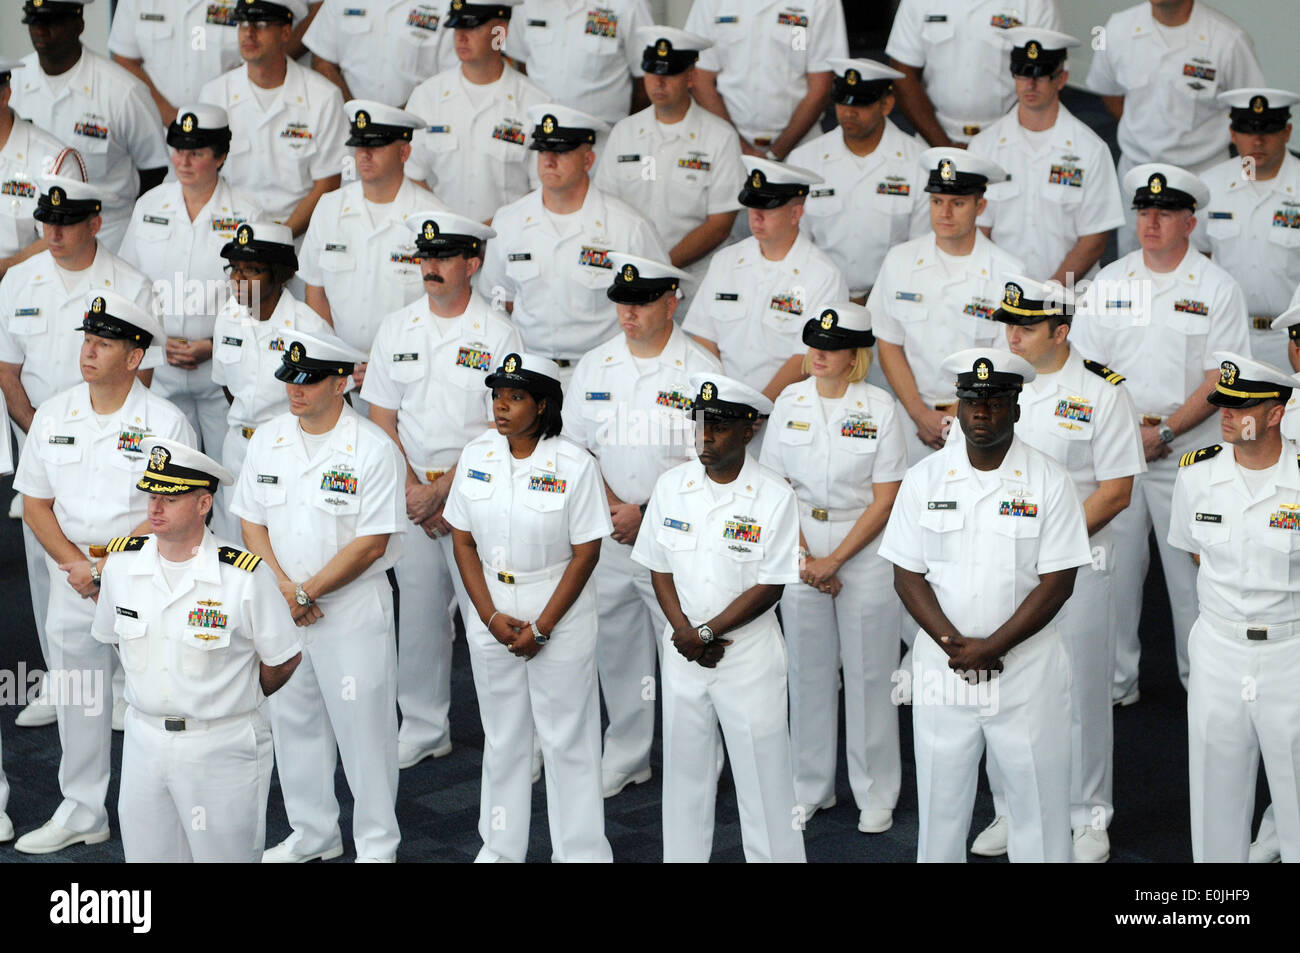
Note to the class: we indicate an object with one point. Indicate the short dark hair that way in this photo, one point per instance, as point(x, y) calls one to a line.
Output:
point(281, 273)
point(1056, 320)
point(552, 421)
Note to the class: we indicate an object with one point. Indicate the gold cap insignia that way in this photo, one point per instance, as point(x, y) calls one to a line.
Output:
point(947, 171)
point(1012, 294)
point(1258, 104)
point(295, 352)
point(982, 368)
point(457, 4)
point(663, 48)
point(97, 306)
point(363, 119)
point(852, 77)
point(188, 122)
point(829, 319)
point(1033, 49)
point(244, 235)
point(158, 458)
point(706, 392)
point(758, 180)
point(38, 3)
point(512, 363)
point(629, 272)
point(56, 196)
point(1228, 372)
point(1156, 184)
point(430, 230)
point(548, 124)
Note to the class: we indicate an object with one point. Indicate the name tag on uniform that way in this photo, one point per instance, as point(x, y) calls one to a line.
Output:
point(406, 356)
point(537, 23)
point(522, 256)
point(1209, 517)
point(479, 475)
point(821, 193)
point(728, 19)
point(598, 395)
point(1221, 216)
point(129, 613)
point(681, 525)
point(936, 18)
point(335, 246)
point(156, 220)
point(152, 17)
point(630, 157)
point(440, 129)
point(906, 296)
point(62, 441)
point(233, 342)
point(941, 505)
point(354, 12)
point(26, 312)
point(726, 296)
point(797, 425)
point(270, 478)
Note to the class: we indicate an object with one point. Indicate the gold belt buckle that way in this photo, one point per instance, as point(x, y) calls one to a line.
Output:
point(97, 552)
point(762, 140)
point(1151, 420)
point(1261, 322)
point(946, 408)
point(507, 577)
point(820, 513)
point(562, 362)
point(970, 130)
point(247, 432)
point(432, 475)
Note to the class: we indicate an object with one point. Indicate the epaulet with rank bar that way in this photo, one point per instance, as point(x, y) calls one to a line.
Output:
point(238, 558)
point(1196, 456)
point(126, 544)
point(1101, 370)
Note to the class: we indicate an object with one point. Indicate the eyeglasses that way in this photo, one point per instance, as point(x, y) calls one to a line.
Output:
point(241, 270)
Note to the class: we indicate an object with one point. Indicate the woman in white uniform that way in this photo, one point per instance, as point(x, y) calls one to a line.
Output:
point(528, 512)
point(839, 441)
point(175, 238)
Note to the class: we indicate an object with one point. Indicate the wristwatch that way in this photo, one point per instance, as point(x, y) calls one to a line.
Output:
point(1166, 433)
point(705, 634)
point(300, 596)
point(95, 575)
point(538, 637)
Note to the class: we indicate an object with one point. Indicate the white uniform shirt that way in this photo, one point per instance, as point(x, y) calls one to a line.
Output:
point(6, 446)
point(966, 58)
point(183, 257)
point(1169, 78)
point(1082, 421)
point(89, 466)
point(1062, 186)
point(676, 175)
point(720, 540)
point(26, 154)
point(931, 312)
point(755, 309)
point(583, 54)
point(1291, 418)
point(634, 414)
point(193, 651)
point(867, 204)
point(832, 451)
point(527, 515)
point(1161, 330)
point(277, 154)
point(364, 257)
point(431, 370)
point(1253, 231)
point(984, 540)
point(41, 309)
point(763, 53)
point(103, 112)
point(383, 48)
point(476, 156)
point(183, 45)
point(314, 505)
point(246, 353)
point(1249, 543)
point(557, 272)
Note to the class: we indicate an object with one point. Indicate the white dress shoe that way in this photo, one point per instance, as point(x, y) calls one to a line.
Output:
point(6, 828)
point(408, 756)
point(1260, 853)
point(613, 784)
point(282, 853)
point(1091, 846)
point(37, 715)
point(992, 841)
point(1123, 701)
point(51, 837)
point(119, 714)
point(806, 811)
point(875, 820)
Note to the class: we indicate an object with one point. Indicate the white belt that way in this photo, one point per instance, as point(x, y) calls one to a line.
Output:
point(177, 723)
point(516, 578)
point(1251, 631)
point(827, 515)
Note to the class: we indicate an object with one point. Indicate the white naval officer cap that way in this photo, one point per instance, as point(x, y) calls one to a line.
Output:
point(1288, 320)
point(557, 128)
point(311, 358)
point(770, 184)
point(957, 172)
point(445, 234)
point(988, 371)
point(1026, 301)
point(174, 469)
point(8, 65)
point(1245, 382)
point(67, 201)
point(668, 51)
point(116, 317)
point(198, 125)
point(33, 9)
point(838, 326)
point(720, 396)
point(281, 10)
point(373, 123)
point(639, 280)
point(464, 15)
point(1258, 108)
point(539, 376)
point(860, 82)
point(1161, 185)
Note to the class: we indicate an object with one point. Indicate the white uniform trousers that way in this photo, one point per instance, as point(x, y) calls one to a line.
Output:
point(553, 695)
point(195, 795)
point(1087, 623)
point(858, 629)
point(342, 700)
point(38, 578)
point(80, 679)
point(202, 402)
point(1023, 716)
point(1241, 702)
point(1152, 499)
point(746, 694)
point(425, 576)
point(626, 644)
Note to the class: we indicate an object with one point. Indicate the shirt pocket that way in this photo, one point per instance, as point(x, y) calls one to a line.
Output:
point(415, 53)
point(27, 324)
point(680, 547)
point(95, 153)
point(598, 55)
point(1223, 229)
point(269, 495)
point(686, 193)
point(60, 454)
point(942, 532)
point(406, 371)
point(338, 262)
point(1024, 530)
point(1276, 557)
point(204, 651)
point(728, 309)
point(935, 32)
point(1210, 535)
point(355, 24)
point(1282, 237)
point(739, 565)
point(131, 643)
point(522, 270)
point(544, 520)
